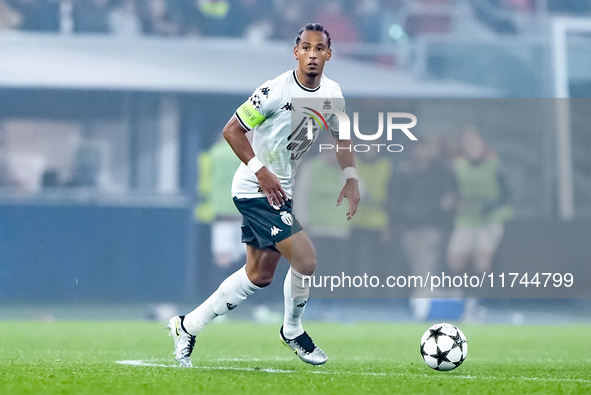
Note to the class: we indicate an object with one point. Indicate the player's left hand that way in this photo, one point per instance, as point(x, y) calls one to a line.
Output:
point(351, 192)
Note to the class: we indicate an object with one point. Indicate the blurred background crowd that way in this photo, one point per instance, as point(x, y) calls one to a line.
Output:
point(368, 21)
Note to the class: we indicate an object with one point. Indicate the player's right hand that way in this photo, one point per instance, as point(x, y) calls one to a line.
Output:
point(271, 187)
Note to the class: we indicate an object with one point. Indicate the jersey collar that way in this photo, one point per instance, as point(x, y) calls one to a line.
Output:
point(295, 77)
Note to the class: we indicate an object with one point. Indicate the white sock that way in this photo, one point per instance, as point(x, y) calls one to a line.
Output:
point(294, 307)
point(231, 292)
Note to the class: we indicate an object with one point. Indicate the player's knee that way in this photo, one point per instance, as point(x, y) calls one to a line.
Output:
point(261, 278)
point(264, 283)
point(307, 266)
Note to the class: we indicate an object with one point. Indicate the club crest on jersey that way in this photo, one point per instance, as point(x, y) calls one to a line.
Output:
point(286, 218)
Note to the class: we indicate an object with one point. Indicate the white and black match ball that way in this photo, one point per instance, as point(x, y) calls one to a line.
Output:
point(444, 347)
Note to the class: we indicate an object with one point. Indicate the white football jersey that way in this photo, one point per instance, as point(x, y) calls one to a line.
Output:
point(269, 112)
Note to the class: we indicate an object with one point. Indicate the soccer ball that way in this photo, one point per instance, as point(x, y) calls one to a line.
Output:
point(444, 347)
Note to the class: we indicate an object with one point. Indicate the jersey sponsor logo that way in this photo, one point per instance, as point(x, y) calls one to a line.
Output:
point(230, 306)
point(298, 141)
point(265, 91)
point(275, 231)
point(286, 218)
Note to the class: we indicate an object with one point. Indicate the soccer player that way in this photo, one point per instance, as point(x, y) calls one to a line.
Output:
point(262, 189)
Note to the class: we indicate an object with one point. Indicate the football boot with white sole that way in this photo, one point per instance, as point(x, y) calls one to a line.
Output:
point(305, 348)
point(184, 342)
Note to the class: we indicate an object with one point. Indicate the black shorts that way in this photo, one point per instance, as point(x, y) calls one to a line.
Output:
point(263, 225)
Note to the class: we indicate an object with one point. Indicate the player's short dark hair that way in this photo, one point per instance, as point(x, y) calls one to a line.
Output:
point(314, 27)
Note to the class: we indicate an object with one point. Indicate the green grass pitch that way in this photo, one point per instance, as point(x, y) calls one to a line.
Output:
point(242, 357)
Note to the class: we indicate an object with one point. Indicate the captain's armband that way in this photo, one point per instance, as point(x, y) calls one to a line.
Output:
point(248, 116)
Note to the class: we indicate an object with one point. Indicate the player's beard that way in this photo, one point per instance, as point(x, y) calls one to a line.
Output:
point(312, 74)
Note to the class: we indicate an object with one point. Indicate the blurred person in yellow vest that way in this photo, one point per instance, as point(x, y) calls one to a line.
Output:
point(216, 170)
point(371, 230)
point(481, 211)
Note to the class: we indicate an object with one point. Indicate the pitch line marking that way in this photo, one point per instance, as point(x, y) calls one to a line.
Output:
point(332, 372)
point(160, 365)
point(247, 359)
point(267, 370)
point(144, 363)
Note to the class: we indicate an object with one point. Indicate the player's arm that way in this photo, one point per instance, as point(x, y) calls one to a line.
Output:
point(235, 135)
point(350, 191)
